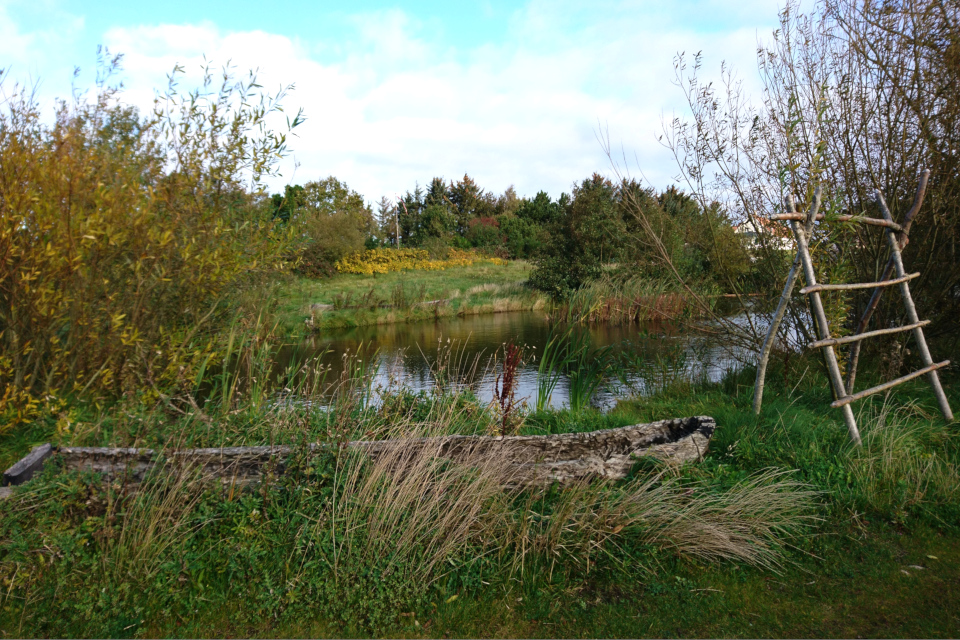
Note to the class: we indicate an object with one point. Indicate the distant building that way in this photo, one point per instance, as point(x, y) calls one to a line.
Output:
point(775, 235)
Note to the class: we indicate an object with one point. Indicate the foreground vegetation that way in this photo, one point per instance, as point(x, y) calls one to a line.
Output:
point(782, 530)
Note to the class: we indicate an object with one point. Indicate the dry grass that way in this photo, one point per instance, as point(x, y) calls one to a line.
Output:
point(409, 505)
point(482, 288)
point(156, 518)
point(747, 523)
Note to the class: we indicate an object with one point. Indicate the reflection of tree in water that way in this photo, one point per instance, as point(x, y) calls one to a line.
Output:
point(464, 350)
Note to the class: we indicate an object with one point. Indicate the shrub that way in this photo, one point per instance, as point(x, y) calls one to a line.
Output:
point(387, 260)
point(121, 235)
point(335, 222)
point(522, 237)
point(484, 232)
point(589, 233)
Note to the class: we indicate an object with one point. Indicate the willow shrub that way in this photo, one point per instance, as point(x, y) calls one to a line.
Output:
point(121, 236)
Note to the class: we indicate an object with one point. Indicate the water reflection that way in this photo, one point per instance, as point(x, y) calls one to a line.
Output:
point(467, 350)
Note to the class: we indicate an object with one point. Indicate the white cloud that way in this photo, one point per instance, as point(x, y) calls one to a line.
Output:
point(28, 54)
point(13, 43)
point(395, 107)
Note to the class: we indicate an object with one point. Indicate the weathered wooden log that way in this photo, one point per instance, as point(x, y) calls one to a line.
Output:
point(560, 458)
point(863, 336)
point(28, 465)
point(850, 286)
point(840, 402)
point(774, 328)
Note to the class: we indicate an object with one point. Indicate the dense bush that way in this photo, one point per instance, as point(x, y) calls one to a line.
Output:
point(577, 239)
point(334, 222)
point(522, 237)
point(638, 233)
point(484, 233)
point(121, 235)
point(672, 231)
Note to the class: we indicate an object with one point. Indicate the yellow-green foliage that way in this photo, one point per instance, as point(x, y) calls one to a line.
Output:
point(387, 260)
point(121, 235)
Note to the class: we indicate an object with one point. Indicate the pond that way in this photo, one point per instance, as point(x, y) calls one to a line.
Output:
point(469, 350)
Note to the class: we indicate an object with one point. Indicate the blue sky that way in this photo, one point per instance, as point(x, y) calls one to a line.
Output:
point(509, 92)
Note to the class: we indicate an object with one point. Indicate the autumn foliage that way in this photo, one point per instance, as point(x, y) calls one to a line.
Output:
point(387, 260)
point(121, 236)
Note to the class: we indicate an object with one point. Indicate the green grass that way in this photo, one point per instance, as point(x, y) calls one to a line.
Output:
point(856, 589)
point(81, 558)
point(365, 300)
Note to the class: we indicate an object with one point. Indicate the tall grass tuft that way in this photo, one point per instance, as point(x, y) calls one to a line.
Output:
point(409, 511)
point(904, 464)
point(571, 354)
point(588, 521)
point(586, 369)
point(154, 521)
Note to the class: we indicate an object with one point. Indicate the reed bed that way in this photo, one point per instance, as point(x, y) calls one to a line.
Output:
point(636, 300)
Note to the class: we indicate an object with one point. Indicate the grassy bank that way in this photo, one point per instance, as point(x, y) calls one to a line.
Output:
point(784, 529)
point(857, 588)
point(349, 300)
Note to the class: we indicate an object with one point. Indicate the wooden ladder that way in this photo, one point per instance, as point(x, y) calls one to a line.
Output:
point(846, 396)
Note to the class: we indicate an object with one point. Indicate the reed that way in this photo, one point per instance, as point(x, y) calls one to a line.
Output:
point(673, 367)
point(611, 301)
point(548, 371)
point(570, 354)
point(586, 369)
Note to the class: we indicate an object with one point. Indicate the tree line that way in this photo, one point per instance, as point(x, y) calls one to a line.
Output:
point(570, 240)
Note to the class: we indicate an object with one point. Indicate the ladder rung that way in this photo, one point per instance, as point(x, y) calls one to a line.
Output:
point(887, 385)
point(833, 342)
point(858, 285)
point(877, 222)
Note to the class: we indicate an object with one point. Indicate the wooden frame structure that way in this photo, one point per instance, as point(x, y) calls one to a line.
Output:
point(897, 238)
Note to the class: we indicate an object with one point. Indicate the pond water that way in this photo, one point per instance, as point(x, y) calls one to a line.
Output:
point(470, 350)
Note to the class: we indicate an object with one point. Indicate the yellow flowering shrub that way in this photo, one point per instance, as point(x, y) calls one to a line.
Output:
point(374, 261)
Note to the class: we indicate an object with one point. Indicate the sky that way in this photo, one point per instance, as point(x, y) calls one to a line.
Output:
point(511, 93)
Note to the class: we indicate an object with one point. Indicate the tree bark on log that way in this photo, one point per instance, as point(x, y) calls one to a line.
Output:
point(524, 460)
